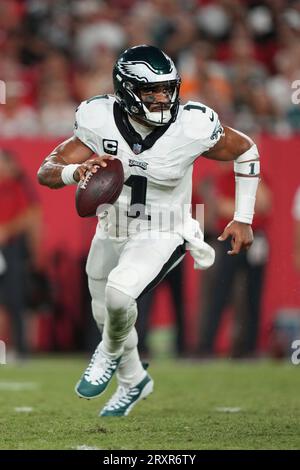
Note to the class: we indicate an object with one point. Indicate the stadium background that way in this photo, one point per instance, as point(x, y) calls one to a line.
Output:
point(240, 57)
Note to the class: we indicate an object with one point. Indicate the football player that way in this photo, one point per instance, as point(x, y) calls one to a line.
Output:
point(157, 141)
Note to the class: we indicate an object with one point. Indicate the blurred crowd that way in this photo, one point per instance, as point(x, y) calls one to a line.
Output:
point(238, 56)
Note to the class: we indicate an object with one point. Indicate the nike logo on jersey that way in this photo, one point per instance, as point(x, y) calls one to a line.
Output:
point(142, 165)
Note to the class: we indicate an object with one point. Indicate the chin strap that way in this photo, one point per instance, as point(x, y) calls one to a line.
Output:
point(160, 118)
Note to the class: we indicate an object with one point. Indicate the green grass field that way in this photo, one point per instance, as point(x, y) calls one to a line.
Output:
point(184, 412)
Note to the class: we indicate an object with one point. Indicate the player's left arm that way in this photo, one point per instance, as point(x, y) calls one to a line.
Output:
point(237, 147)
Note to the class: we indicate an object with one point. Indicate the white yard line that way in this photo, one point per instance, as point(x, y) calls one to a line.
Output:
point(85, 447)
point(23, 409)
point(18, 386)
point(228, 409)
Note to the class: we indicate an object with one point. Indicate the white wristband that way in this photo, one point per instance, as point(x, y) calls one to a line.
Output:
point(67, 174)
point(245, 193)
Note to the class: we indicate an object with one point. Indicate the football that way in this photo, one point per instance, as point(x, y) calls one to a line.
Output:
point(102, 187)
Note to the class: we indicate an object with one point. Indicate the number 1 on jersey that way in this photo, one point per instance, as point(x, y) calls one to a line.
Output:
point(138, 186)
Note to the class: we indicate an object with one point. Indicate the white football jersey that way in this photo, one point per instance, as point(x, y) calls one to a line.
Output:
point(158, 170)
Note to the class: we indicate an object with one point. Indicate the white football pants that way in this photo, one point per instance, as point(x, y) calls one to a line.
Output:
point(119, 271)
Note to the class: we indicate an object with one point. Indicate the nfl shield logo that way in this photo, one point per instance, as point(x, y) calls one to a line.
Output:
point(136, 148)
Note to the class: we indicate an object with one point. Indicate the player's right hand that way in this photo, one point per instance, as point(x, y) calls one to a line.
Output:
point(92, 165)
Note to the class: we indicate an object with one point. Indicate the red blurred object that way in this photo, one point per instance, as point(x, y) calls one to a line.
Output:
point(64, 230)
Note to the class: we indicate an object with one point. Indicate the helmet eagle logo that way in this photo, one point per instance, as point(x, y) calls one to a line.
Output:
point(138, 70)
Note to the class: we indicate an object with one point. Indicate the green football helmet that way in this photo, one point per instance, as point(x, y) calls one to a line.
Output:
point(145, 69)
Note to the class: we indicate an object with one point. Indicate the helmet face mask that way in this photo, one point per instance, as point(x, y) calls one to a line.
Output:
point(141, 73)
